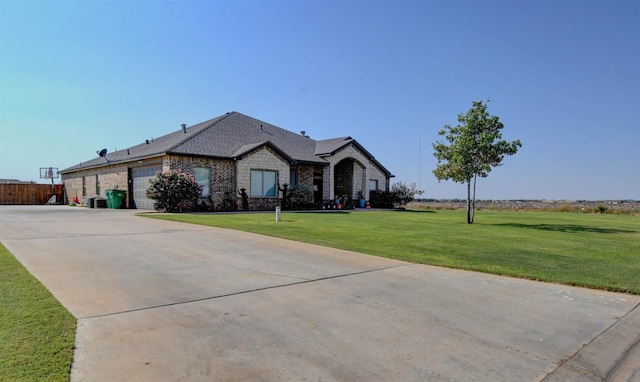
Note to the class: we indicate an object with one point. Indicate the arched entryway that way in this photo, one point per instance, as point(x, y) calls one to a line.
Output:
point(348, 178)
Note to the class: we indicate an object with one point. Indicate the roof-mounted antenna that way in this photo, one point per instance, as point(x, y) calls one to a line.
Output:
point(103, 154)
point(184, 128)
point(302, 133)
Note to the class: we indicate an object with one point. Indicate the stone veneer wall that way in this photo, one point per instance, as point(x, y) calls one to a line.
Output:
point(262, 159)
point(110, 177)
point(376, 174)
point(222, 174)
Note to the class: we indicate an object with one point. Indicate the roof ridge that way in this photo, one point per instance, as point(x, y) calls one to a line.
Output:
point(215, 120)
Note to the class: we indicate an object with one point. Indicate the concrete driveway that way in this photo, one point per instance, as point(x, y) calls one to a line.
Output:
point(164, 301)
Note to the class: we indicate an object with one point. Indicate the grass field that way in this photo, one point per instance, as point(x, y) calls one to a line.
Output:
point(590, 250)
point(36, 333)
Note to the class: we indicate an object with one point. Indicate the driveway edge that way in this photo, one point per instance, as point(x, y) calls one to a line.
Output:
point(611, 356)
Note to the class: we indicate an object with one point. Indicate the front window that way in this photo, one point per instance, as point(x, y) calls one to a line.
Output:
point(263, 184)
point(203, 178)
point(292, 178)
point(373, 185)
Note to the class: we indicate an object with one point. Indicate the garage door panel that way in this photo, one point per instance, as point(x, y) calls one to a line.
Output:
point(140, 178)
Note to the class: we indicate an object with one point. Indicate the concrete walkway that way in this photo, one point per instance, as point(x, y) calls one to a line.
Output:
point(164, 301)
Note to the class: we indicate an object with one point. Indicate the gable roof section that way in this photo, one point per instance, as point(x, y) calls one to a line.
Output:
point(225, 137)
point(247, 149)
point(328, 147)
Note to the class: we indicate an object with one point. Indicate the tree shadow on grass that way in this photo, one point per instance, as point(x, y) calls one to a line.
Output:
point(568, 228)
point(414, 211)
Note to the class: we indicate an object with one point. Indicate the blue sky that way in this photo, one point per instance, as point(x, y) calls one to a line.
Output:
point(562, 75)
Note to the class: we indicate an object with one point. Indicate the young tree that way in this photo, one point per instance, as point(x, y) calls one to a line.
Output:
point(474, 146)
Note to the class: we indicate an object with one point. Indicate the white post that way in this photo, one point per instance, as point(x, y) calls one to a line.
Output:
point(277, 213)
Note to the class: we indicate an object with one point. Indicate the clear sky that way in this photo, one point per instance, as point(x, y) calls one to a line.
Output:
point(562, 75)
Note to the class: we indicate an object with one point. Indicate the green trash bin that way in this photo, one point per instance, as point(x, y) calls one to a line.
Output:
point(117, 198)
point(109, 195)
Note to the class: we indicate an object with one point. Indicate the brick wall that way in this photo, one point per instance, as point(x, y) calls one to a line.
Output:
point(222, 174)
point(113, 177)
point(304, 174)
point(344, 173)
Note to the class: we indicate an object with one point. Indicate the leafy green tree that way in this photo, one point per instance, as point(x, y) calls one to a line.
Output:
point(174, 191)
point(405, 193)
point(474, 147)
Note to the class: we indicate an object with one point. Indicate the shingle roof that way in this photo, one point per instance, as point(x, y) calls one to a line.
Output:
point(329, 146)
point(148, 149)
point(228, 136)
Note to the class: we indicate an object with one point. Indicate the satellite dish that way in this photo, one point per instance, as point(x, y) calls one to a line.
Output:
point(102, 152)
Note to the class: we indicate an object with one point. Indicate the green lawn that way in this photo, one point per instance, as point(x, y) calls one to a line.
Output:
point(36, 333)
point(591, 250)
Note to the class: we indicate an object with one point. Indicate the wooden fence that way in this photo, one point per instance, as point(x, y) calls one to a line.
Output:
point(30, 193)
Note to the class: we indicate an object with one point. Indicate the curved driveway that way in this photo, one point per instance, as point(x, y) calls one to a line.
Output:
point(165, 301)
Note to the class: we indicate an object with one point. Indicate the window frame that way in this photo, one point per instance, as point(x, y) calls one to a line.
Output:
point(293, 178)
point(376, 183)
point(204, 183)
point(257, 179)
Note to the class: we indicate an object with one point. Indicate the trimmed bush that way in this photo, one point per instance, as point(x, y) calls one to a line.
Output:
point(383, 199)
point(300, 197)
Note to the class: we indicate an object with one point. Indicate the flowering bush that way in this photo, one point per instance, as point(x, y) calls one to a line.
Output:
point(174, 191)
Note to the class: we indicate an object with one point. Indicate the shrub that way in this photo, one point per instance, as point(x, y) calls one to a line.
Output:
point(174, 191)
point(382, 199)
point(300, 196)
point(405, 193)
point(566, 207)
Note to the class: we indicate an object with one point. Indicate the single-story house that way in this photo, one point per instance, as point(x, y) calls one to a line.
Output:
point(231, 152)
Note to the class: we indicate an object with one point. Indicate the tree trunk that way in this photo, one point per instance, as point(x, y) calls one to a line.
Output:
point(473, 203)
point(469, 219)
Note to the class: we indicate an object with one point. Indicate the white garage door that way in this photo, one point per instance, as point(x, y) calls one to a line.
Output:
point(140, 181)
